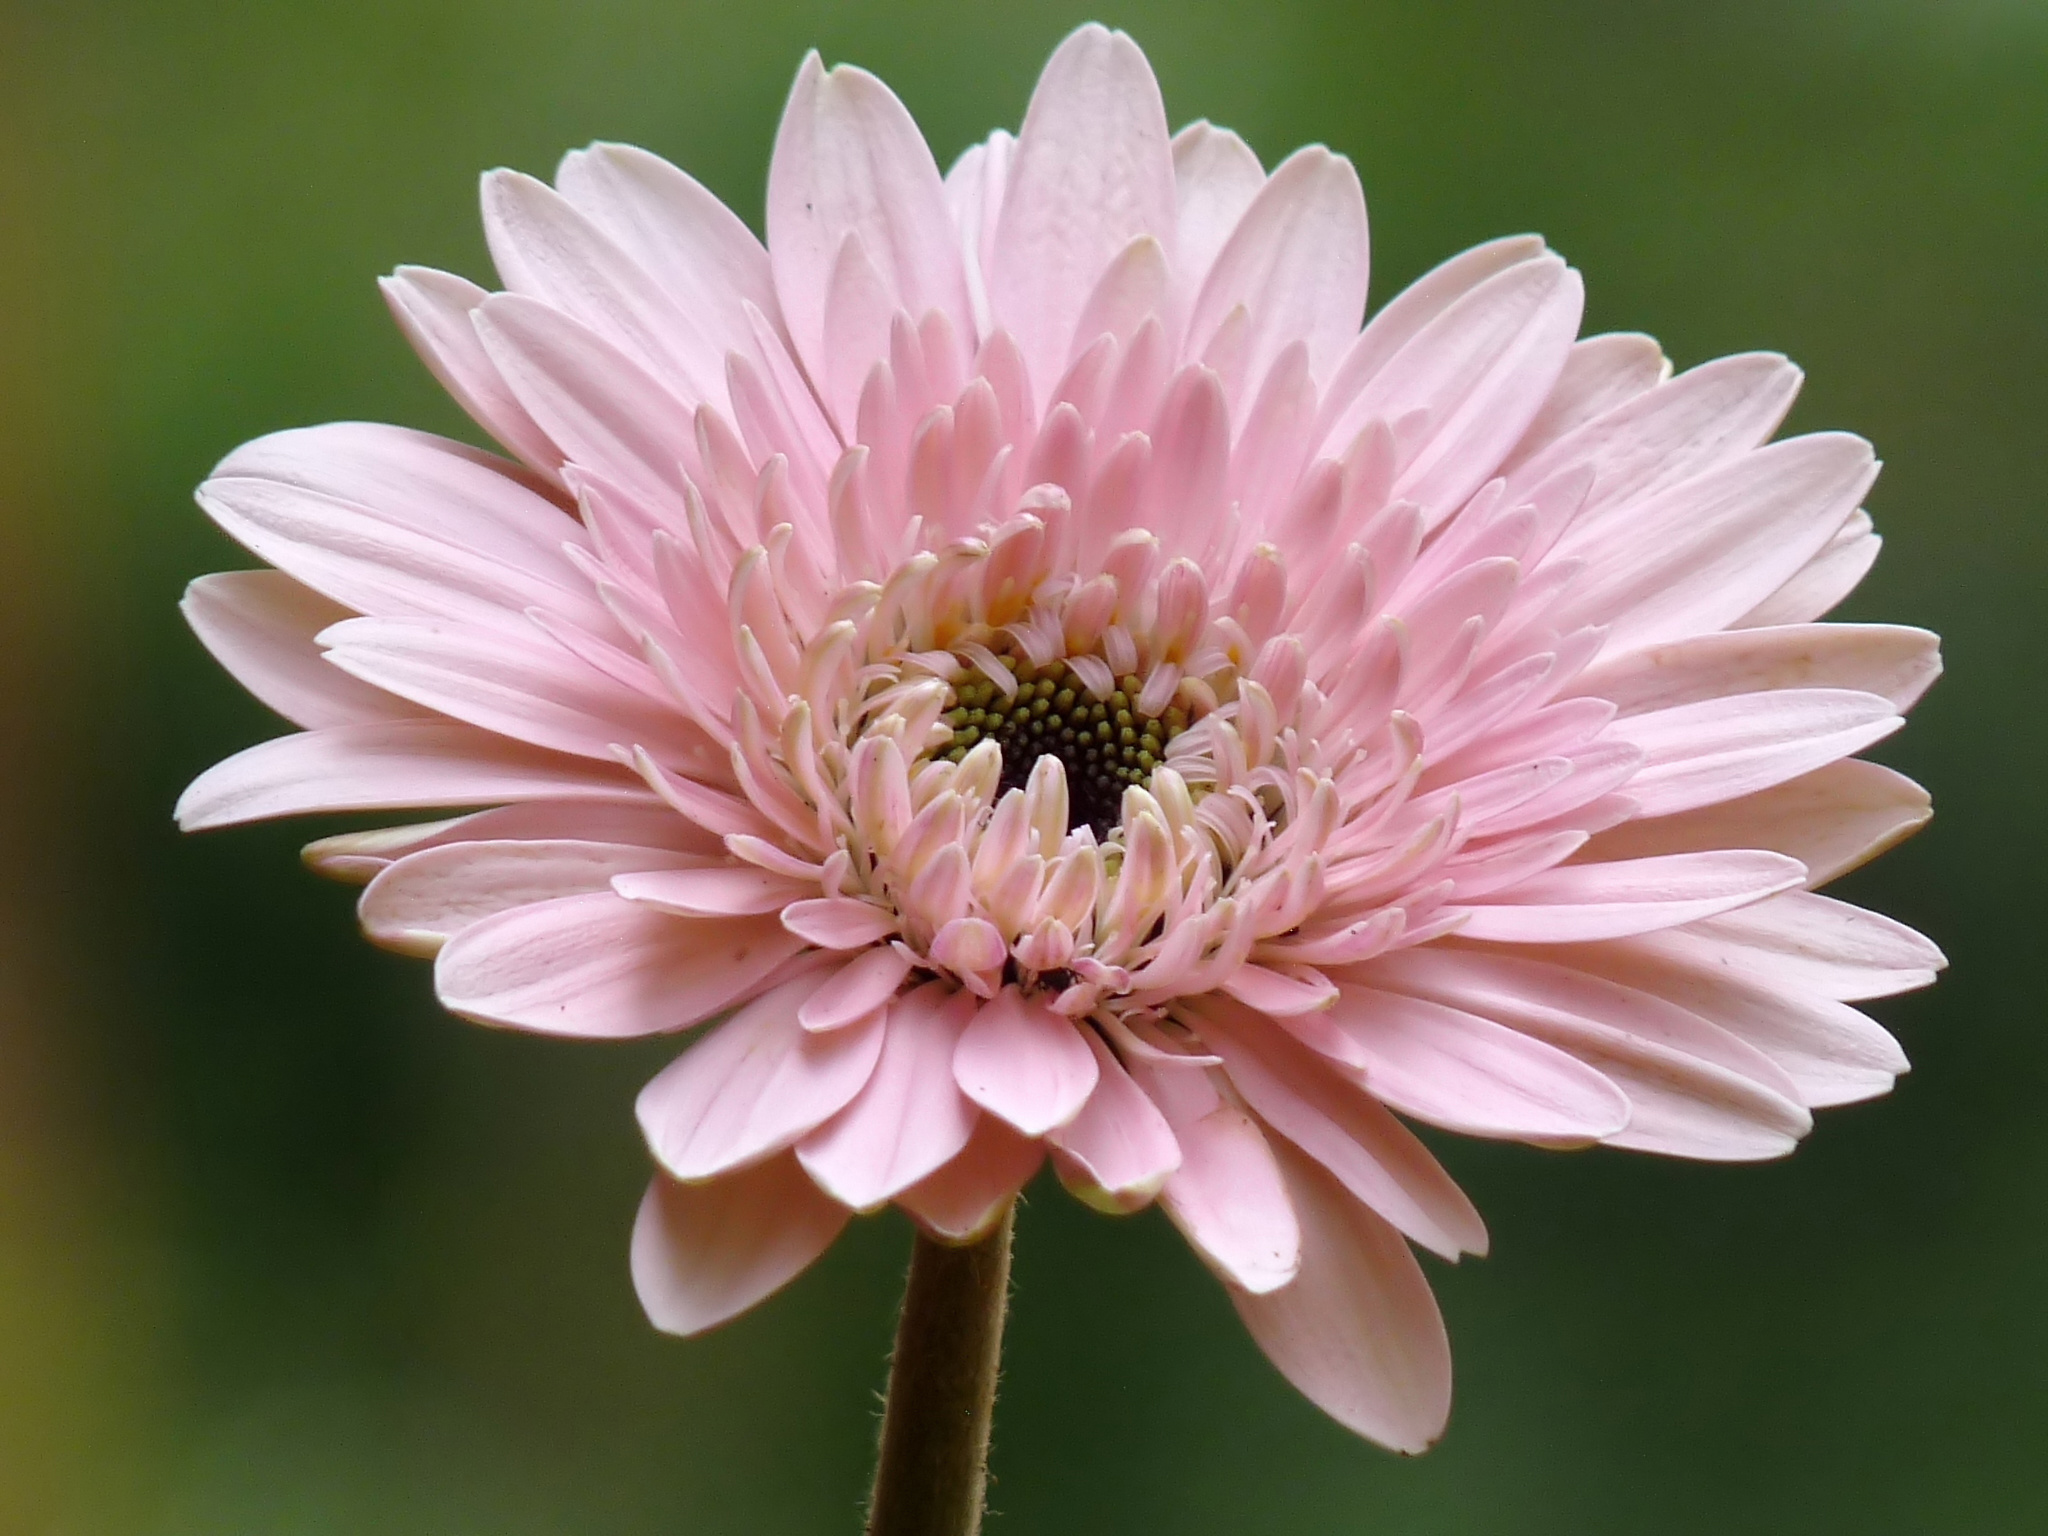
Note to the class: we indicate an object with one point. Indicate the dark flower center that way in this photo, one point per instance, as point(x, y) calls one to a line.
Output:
point(1104, 744)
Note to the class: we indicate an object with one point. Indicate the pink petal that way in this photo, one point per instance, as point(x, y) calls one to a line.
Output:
point(974, 196)
point(964, 1200)
point(638, 821)
point(1610, 901)
point(1700, 555)
point(606, 411)
point(856, 990)
point(1024, 1063)
point(1718, 749)
point(1807, 943)
point(1705, 417)
point(1132, 290)
point(839, 922)
point(1891, 660)
point(704, 1253)
point(910, 1119)
point(601, 967)
point(1410, 312)
point(260, 625)
point(850, 161)
point(1227, 1197)
point(1831, 820)
point(423, 900)
point(1297, 261)
point(1693, 1089)
point(1280, 993)
point(1092, 171)
point(527, 687)
point(1464, 1072)
point(1119, 1150)
point(1339, 1125)
point(546, 249)
point(401, 524)
point(1831, 1053)
point(1358, 1332)
point(423, 483)
point(1817, 586)
point(433, 309)
point(700, 254)
point(711, 891)
point(402, 764)
point(1481, 370)
point(758, 1083)
point(1216, 176)
point(1600, 373)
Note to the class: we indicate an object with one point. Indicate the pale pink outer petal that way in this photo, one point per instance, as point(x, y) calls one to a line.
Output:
point(1802, 942)
point(1694, 1090)
point(1704, 418)
point(1216, 176)
point(402, 524)
point(698, 251)
point(1357, 1332)
point(1894, 661)
point(755, 1085)
point(423, 900)
point(403, 764)
point(1092, 171)
point(710, 891)
point(606, 411)
point(910, 1119)
point(1119, 1150)
point(433, 309)
point(839, 922)
point(546, 249)
point(1831, 820)
point(1578, 902)
point(260, 625)
point(1278, 994)
point(1831, 1053)
point(704, 1253)
point(601, 967)
point(861, 986)
point(849, 161)
point(429, 484)
point(1227, 1197)
point(963, 1200)
point(1297, 261)
point(1480, 370)
point(1024, 1063)
point(974, 197)
point(1408, 313)
point(1817, 586)
point(1719, 749)
point(638, 820)
point(1462, 1071)
point(523, 686)
point(1341, 1126)
point(1700, 555)
point(1600, 373)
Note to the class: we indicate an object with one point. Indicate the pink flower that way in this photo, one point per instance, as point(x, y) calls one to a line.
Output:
point(1020, 649)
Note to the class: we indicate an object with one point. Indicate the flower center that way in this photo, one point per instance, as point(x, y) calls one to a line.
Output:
point(1104, 744)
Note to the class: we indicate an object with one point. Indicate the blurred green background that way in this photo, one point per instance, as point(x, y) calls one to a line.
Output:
point(284, 1250)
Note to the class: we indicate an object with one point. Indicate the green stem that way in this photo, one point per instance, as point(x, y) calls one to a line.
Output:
point(933, 1468)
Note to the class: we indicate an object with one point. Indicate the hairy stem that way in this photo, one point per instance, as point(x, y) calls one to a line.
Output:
point(933, 1468)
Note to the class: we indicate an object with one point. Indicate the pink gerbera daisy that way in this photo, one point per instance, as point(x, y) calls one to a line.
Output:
point(1018, 652)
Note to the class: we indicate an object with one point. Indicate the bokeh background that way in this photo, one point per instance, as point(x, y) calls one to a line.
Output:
point(284, 1250)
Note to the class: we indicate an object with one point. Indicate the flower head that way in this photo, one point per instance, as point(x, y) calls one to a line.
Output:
point(1021, 654)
